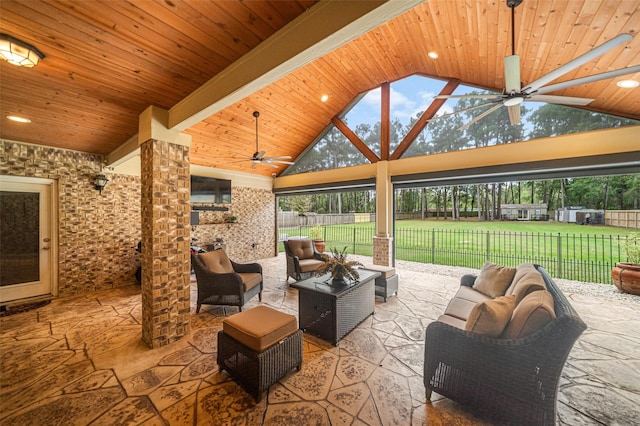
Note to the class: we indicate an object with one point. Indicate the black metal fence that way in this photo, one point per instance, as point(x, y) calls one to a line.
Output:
point(580, 257)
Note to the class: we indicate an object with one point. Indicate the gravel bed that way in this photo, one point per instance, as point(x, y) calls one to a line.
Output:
point(604, 291)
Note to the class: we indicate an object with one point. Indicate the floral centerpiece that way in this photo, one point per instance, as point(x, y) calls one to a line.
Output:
point(341, 269)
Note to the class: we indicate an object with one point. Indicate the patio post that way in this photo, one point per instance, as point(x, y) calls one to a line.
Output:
point(166, 230)
point(383, 240)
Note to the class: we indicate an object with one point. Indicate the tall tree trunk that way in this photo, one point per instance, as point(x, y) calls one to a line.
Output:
point(606, 192)
point(438, 203)
point(444, 202)
point(519, 192)
point(563, 193)
point(479, 202)
point(499, 206)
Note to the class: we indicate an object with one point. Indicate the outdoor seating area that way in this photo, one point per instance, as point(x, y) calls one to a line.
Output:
point(80, 360)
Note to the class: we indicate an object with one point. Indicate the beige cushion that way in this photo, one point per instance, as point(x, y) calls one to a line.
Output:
point(494, 279)
point(385, 271)
point(528, 284)
point(260, 328)
point(310, 265)
point(250, 280)
point(301, 248)
point(463, 302)
point(491, 317)
point(456, 322)
point(532, 313)
point(217, 261)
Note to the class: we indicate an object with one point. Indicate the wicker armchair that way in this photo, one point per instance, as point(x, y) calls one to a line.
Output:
point(222, 281)
point(514, 380)
point(302, 258)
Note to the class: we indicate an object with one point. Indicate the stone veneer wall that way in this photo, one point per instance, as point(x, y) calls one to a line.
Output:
point(97, 234)
point(166, 233)
point(256, 224)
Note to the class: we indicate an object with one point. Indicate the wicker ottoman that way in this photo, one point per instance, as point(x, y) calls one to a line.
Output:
point(258, 347)
point(387, 282)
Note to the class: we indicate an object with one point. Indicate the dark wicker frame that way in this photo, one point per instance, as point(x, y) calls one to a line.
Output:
point(332, 315)
point(224, 289)
point(513, 380)
point(293, 263)
point(257, 371)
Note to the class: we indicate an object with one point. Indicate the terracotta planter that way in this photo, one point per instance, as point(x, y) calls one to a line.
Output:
point(320, 245)
point(626, 276)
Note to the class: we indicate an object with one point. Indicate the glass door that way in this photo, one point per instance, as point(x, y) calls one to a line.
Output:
point(25, 238)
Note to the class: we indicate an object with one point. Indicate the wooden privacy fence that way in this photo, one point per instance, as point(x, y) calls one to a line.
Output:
point(622, 218)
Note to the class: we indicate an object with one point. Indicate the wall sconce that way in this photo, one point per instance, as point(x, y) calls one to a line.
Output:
point(18, 52)
point(101, 182)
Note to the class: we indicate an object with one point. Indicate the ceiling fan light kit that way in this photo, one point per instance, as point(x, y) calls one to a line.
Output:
point(513, 94)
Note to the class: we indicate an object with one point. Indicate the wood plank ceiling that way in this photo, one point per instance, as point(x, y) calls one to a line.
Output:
point(141, 53)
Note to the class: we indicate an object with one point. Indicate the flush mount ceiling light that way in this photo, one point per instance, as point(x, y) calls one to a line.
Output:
point(18, 52)
point(324, 98)
point(628, 84)
point(18, 119)
point(433, 55)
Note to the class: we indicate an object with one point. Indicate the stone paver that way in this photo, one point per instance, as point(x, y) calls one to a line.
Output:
point(81, 360)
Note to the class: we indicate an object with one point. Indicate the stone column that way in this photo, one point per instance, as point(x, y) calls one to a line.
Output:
point(383, 241)
point(166, 233)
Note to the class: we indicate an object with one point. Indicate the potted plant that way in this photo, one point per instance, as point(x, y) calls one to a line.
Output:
point(341, 269)
point(315, 234)
point(626, 275)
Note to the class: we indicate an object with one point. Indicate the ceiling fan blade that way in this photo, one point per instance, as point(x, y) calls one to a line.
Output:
point(514, 114)
point(253, 164)
point(258, 155)
point(278, 157)
point(588, 79)
point(271, 160)
point(562, 100)
point(575, 63)
point(266, 163)
point(512, 74)
point(487, 96)
point(438, 117)
point(481, 116)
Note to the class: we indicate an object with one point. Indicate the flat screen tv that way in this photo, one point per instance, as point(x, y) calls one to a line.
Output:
point(208, 190)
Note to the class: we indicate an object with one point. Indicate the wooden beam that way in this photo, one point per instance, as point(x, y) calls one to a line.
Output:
point(385, 120)
point(355, 140)
point(424, 119)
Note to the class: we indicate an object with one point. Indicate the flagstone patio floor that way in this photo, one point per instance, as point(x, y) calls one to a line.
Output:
point(81, 361)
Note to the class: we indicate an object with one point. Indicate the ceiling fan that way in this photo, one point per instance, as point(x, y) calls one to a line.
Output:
point(258, 156)
point(513, 94)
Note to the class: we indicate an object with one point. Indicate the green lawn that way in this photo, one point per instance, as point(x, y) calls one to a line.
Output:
point(571, 251)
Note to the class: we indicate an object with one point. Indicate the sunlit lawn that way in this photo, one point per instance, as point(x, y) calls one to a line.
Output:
point(573, 251)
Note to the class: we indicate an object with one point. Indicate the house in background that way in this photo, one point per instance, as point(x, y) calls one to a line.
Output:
point(524, 212)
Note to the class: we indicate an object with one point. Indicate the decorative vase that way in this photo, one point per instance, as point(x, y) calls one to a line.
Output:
point(626, 277)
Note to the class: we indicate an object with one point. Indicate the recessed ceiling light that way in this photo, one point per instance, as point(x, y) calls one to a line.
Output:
point(18, 119)
point(628, 84)
point(432, 55)
point(324, 98)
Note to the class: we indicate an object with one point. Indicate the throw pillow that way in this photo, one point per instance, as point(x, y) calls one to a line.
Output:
point(491, 317)
point(494, 279)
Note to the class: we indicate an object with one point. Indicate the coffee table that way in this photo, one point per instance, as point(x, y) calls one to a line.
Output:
point(331, 312)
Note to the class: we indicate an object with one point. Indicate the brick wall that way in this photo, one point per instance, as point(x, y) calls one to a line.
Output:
point(256, 224)
point(96, 233)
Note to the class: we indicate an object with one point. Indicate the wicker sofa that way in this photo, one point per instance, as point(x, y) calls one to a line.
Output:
point(511, 371)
